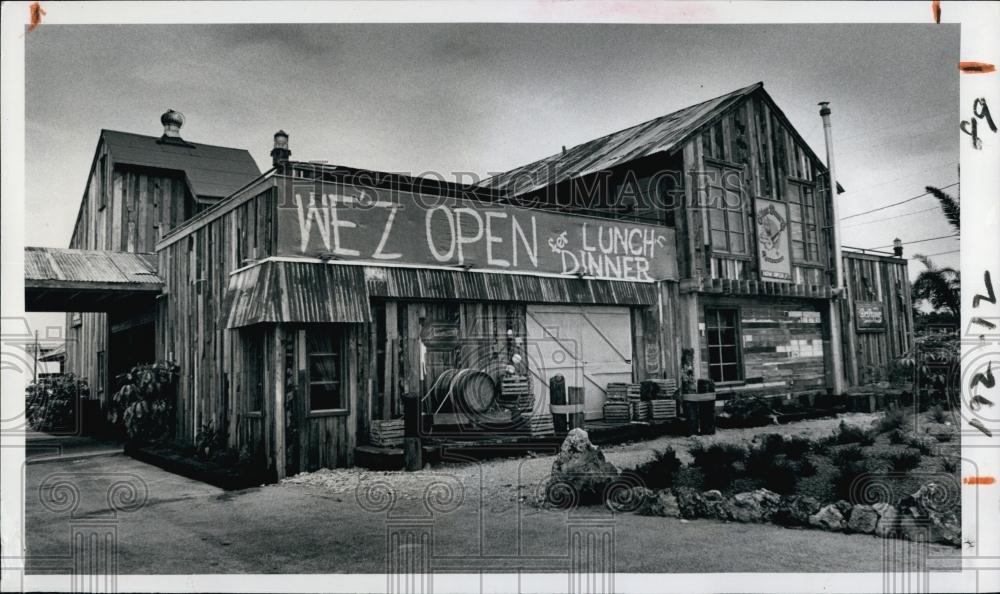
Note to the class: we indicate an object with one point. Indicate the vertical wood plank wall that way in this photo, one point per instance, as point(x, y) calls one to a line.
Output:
point(191, 326)
point(884, 279)
point(139, 206)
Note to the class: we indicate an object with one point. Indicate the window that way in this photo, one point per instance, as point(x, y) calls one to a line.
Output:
point(723, 345)
point(102, 185)
point(725, 211)
point(254, 345)
point(802, 222)
point(325, 365)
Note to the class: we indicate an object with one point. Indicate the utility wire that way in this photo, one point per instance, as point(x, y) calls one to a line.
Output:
point(895, 203)
point(917, 241)
point(891, 218)
point(937, 254)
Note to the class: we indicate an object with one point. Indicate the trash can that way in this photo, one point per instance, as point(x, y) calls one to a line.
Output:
point(699, 413)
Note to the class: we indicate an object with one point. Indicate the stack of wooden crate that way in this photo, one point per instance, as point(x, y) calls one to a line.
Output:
point(663, 409)
point(622, 402)
point(386, 433)
point(665, 388)
point(517, 388)
point(540, 424)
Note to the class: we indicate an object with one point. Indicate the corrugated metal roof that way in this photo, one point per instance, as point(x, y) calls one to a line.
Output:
point(89, 266)
point(417, 283)
point(297, 292)
point(212, 171)
point(659, 135)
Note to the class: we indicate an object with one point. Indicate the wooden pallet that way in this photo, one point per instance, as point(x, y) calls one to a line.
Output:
point(386, 433)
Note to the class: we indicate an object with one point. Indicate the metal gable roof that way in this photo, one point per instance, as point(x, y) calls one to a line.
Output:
point(659, 135)
point(211, 171)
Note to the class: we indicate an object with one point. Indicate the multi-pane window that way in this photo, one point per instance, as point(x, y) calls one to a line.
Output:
point(723, 345)
point(324, 352)
point(725, 212)
point(804, 230)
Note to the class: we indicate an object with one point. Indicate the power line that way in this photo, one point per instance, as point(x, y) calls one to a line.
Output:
point(916, 241)
point(891, 218)
point(895, 203)
point(937, 254)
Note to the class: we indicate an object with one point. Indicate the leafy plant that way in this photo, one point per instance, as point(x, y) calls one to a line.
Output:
point(938, 414)
point(659, 472)
point(51, 403)
point(719, 463)
point(897, 436)
point(847, 454)
point(144, 403)
point(891, 420)
point(771, 461)
point(951, 464)
point(852, 434)
point(209, 441)
point(748, 408)
point(902, 459)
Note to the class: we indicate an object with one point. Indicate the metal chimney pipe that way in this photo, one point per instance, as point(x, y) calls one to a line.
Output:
point(838, 281)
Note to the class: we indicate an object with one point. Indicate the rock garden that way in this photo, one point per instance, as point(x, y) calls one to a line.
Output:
point(897, 479)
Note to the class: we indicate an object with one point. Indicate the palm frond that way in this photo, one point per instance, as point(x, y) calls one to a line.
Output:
point(950, 206)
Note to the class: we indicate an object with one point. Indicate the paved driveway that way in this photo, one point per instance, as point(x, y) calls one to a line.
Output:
point(168, 524)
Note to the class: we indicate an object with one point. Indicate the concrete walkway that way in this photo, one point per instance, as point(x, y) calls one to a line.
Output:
point(44, 447)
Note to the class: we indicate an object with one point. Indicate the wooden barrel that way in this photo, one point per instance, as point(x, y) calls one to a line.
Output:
point(557, 401)
point(442, 386)
point(473, 390)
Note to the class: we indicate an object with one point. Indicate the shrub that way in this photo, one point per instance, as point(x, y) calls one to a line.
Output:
point(902, 459)
point(144, 403)
point(797, 447)
point(923, 443)
point(897, 436)
point(951, 464)
point(51, 403)
point(848, 454)
point(780, 462)
point(938, 414)
point(891, 420)
point(659, 472)
point(852, 434)
point(209, 441)
point(748, 408)
point(850, 478)
point(719, 463)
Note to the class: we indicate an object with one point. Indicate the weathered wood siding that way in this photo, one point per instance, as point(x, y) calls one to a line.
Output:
point(780, 341)
point(195, 263)
point(122, 209)
point(751, 142)
point(870, 277)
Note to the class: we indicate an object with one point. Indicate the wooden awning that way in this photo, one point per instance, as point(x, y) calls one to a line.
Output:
point(297, 292)
point(57, 279)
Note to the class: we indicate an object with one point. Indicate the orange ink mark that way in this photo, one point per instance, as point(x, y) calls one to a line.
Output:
point(37, 12)
point(976, 67)
point(979, 480)
point(936, 10)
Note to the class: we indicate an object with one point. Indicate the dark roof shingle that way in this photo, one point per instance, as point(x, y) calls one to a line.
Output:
point(212, 171)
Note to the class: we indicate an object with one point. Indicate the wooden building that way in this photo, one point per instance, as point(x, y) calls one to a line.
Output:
point(302, 303)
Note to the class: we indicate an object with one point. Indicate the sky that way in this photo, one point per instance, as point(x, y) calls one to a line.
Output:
point(486, 98)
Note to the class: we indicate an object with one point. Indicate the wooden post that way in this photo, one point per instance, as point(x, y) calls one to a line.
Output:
point(412, 446)
point(279, 401)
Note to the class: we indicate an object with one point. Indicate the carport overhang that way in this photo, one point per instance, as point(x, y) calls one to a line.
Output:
point(69, 280)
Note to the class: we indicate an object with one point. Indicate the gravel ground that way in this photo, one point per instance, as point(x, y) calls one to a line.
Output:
point(502, 482)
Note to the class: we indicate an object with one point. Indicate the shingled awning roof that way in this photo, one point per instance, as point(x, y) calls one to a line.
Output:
point(212, 171)
point(57, 279)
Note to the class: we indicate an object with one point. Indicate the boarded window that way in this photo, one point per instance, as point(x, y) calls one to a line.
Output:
point(102, 183)
point(723, 345)
point(804, 230)
point(324, 347)
point(254, 344)
point(726, 218)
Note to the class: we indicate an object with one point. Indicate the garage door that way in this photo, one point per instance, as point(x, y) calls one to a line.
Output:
point(589, 346)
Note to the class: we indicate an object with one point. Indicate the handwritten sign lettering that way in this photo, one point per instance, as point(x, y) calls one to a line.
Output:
point(394, 227)
point(869, 315)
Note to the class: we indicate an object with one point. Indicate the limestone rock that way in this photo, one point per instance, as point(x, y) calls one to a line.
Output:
point(716, 505)
point(863, 519)
point(796, 511)
point(754, 506)
point(888, 519)
point(581, 468)
point(828, 518)
point(690, 502)
point(663, 503)
point(930, 513)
